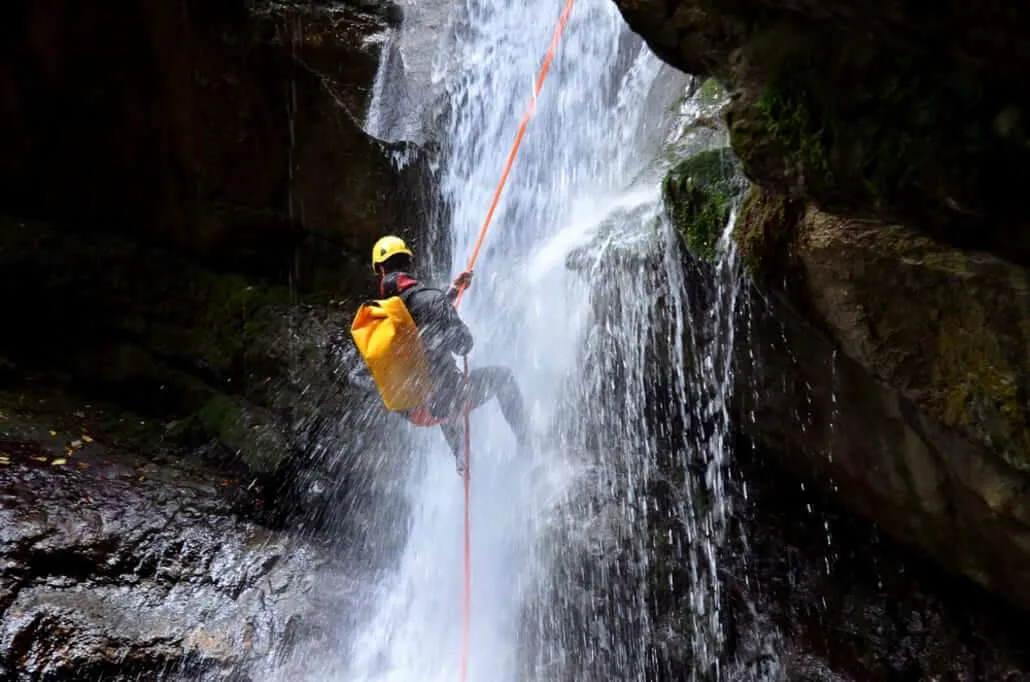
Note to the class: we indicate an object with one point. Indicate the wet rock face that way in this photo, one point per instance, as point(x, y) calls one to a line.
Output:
point(989, 34)
point(869, 110)
point(894, 368)
point(828, 598)
point(106, 575)
point(221, 355)
point(886, 239)
point(227, 132)
point(955, 343)
point(183, 185)
point(700, 191)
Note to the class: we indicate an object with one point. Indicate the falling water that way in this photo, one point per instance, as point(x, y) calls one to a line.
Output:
point(580, 290)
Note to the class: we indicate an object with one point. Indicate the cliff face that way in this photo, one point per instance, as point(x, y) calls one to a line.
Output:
point(176, 178)
point(99, 581)
point(889, 360)
point(905, 114)
point(227, 133)
point(185, 196)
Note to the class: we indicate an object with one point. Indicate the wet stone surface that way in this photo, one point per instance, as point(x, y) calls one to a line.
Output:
point(110, 573)
point(815, 594)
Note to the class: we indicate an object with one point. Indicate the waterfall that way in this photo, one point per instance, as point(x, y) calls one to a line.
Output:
point(580, 290)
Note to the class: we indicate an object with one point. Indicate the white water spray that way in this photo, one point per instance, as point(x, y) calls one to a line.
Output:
point(544, 607)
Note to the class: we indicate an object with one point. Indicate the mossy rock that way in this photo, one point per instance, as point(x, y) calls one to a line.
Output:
point(243, 429)
point(231, 311)
point(766, 225)
point(955, 342)
point(711, 93)
point(869, 133)
point(699, 193)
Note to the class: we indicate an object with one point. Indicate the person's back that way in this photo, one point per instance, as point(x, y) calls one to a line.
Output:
point(444, 335)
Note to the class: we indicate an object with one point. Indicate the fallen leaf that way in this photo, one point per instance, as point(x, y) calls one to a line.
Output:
point(83, 465)
point(86, 438)
point(53, 433)
point(80, 415)
point(76, 444)
point(5, 460)
point(140, 478)
point(39, 459)
point(59, 461)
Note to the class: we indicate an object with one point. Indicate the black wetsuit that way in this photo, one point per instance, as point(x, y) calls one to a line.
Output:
point(444, 335)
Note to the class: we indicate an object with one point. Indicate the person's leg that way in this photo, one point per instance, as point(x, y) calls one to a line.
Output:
point(446, 404)
point(487, 382)
point(454, 433)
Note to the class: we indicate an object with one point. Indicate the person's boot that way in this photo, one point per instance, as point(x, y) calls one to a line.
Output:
point(518, 422)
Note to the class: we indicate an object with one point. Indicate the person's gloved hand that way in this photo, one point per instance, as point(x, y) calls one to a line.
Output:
point(463, 281)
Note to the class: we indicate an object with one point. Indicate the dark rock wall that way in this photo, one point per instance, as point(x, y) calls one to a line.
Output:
point(99, 578)
point(869, 111)
point(815, 594)
point(177, 178)
point(187, 201)
point(227, 133)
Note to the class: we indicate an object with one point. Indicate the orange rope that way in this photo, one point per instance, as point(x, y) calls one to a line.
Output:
point(467, 596)
point(518, 141)
point(466, 604)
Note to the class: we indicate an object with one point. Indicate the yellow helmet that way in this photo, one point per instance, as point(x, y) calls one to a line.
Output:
point(386, 247)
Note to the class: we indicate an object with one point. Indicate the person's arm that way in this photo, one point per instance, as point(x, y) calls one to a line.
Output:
point(464, 280)
point(441, 327)
point(360, 376)
point(456, 336)
point(343, 352)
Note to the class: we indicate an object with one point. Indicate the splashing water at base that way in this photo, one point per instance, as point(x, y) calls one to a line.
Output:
point(585, 182)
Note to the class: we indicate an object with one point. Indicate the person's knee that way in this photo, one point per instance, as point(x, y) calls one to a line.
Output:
point(507, 383)
point(501, 375)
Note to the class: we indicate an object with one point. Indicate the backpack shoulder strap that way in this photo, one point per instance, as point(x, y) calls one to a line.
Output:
point(411, 291)
point(404, 296)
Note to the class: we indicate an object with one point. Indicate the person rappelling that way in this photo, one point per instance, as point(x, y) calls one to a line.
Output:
point(410, 335)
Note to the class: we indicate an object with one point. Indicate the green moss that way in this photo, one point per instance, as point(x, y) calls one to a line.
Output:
point(978, 370)
point(244, 430)
point(711, 93)
point(699, 193)
point(765, 225)
point(224, 420)
point(789, 119)
point(956, 343)
point(228, 312)
point(870, 131)
point(982, 384)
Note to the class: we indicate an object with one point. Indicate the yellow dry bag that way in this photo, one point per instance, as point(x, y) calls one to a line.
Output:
point(388, 340)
